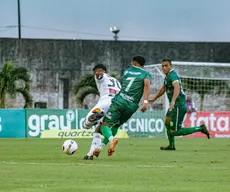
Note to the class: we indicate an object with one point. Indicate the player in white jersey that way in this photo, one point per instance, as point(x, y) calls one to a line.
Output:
point(108, 87)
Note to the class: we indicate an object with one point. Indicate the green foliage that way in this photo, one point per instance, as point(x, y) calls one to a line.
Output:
point(85, 86)
point(87, 80)
point(15, 80)
point(115, 76)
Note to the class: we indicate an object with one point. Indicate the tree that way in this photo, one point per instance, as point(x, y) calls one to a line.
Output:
point(84, 87)
point(15, 80)
point(204, 86)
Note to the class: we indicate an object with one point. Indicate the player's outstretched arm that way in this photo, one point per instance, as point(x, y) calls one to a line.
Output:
point(159, 94)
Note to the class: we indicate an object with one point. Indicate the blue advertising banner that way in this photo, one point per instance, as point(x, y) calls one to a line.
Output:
point(12, 123)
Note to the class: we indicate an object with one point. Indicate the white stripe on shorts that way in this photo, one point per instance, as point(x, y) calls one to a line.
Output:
point(177, 115)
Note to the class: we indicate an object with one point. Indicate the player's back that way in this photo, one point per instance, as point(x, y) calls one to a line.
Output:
point(133, 84)
point(107, 86)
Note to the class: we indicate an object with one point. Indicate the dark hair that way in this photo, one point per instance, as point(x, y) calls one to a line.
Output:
point(167, 60)
point(140, 60)
point(99, 66)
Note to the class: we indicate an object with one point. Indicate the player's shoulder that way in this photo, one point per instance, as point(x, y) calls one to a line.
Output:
point(137, 71)
point(107, 76)
point(129, 69)
point(173, 73)
point(146, 74)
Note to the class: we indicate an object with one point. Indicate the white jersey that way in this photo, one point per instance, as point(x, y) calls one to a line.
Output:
point(107, 86)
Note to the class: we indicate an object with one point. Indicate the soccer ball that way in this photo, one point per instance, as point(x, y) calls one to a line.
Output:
point(69, 147)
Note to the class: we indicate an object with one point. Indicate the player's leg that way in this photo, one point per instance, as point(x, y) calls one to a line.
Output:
point(173, 123)
point(112, 117)
point(96, 142)
point(102, 106)
point(176, 117)
point(171, 139)
point(181, 111)
point(93, 116)
point(126, 111)
point(117, 115)
point(105, 141)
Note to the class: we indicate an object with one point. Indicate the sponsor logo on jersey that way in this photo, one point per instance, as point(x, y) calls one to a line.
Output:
point(134, 73)
point(127, 97)
point(108, 115)
point(112, 91)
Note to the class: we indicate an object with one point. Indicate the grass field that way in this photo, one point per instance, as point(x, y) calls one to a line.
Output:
point(39, 165)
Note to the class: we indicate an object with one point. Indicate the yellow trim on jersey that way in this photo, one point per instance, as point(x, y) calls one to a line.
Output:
point(175, 81)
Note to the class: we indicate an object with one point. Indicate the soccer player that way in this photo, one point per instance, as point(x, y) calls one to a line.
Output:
point(108, 87)
point(177, 108)
point(135, 84)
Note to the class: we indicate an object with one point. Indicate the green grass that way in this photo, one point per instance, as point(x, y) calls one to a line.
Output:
point(39, 165)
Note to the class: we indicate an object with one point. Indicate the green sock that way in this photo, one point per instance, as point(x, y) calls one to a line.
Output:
point(105, 141)
point(170, 137)
point(187, 131)
point(114, 130)
point(106, 131)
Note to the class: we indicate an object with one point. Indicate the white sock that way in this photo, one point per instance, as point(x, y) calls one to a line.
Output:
point(102, 146)
point(111, 138)
point(95, 143)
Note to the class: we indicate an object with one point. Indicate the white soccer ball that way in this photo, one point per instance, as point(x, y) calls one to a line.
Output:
point(69, 147)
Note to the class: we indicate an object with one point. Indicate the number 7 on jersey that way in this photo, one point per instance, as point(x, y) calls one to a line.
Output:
point(131, 80)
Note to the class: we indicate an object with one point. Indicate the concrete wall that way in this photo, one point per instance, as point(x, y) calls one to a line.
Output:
point(51, 61)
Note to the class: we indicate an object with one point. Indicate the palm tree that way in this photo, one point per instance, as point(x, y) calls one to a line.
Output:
point(12, 81)
point(84, 87)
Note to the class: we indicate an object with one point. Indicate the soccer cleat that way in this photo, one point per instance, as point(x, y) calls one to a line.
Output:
point(96, 110)
point(96, 116)
point(96, 152)
point(112, 146)
point(205, 130)
point(86, 157)
point(168, 148)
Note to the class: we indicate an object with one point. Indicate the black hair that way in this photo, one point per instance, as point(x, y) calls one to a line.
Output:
point(167, 60)
point(99, 66)
point(140, 60)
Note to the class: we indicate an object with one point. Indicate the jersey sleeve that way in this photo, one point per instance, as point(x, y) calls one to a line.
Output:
point(174, 78)
point(148, 76)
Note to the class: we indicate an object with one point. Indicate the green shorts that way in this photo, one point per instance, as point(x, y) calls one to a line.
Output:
point(120, 111)
point(176, 117)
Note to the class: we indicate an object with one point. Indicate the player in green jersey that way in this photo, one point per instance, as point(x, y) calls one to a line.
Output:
point(177, 108)
point(135, 84)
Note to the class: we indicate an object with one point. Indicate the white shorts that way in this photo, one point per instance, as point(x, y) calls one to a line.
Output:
point(103, 105)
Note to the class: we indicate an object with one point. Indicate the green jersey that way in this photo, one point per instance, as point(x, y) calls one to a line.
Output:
point(171, 78)
point(133, 84)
